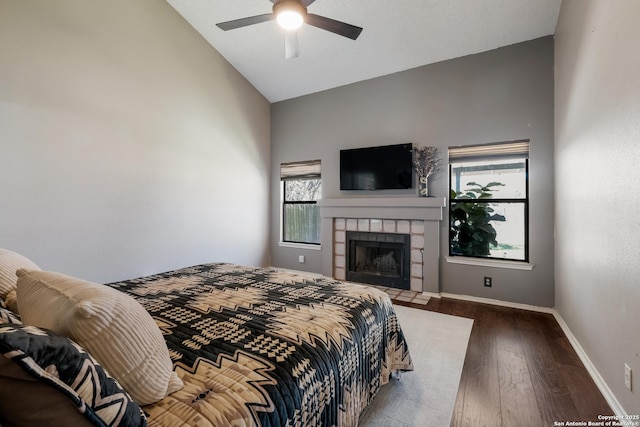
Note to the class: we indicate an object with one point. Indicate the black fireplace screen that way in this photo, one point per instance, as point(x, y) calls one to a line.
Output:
point(379, 258)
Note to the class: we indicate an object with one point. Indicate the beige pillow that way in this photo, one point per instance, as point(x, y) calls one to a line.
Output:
point(113, 327)
point(10, 262)
point(11, 301)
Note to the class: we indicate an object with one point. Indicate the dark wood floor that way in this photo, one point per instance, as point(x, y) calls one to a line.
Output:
point(520, 370)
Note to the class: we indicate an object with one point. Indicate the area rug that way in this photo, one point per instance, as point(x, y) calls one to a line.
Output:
point(426, 396)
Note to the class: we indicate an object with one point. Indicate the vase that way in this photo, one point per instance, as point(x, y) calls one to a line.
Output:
point(423, 186)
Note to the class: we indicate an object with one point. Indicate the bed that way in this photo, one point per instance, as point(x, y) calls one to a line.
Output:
point(264, 347)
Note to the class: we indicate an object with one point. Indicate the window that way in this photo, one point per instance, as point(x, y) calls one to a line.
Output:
point(489, 201)
point(301, 189)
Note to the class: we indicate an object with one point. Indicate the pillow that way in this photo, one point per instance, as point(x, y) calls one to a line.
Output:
point(18, 393)
point(10, 262)
point(113, 327)
point(11, 301)
point(46, 379)
point(8, 316)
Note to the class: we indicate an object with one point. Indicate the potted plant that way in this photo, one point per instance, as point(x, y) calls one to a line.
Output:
point(470, 223)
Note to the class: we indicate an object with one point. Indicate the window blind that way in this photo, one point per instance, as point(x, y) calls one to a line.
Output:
point(507, 149)
point(309, 169)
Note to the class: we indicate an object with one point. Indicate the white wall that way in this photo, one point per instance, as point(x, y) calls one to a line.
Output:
point(597, 131)
point(127, 144)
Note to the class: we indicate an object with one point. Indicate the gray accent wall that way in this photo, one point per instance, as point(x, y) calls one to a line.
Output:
point(128, 145)
point(597, 136)
point(500, 95)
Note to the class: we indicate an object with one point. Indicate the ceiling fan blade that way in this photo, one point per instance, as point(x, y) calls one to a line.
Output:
point(336, 27)
point(243, 22)
point(291, 44)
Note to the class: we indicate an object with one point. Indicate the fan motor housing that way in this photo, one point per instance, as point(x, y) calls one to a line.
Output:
point(289, 5)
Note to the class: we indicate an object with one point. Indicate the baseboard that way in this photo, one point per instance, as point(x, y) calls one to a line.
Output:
point(595, 375)
point(498, 302)
point(300, 272)
point(591, 369)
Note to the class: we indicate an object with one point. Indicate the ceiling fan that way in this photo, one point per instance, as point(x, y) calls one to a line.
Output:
point(291, 14)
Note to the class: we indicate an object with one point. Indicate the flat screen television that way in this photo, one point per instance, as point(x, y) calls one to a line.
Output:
point(386, 167)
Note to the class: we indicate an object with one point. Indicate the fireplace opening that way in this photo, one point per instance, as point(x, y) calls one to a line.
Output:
point(379, 258)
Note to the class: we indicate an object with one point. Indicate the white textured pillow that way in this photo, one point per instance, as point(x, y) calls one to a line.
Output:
point(10, 262)
point(113, 327)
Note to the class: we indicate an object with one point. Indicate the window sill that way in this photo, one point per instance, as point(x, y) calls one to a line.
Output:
point(300, 245)
point(495, 263)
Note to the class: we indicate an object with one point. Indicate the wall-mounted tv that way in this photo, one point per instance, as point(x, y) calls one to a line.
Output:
point(386, 167)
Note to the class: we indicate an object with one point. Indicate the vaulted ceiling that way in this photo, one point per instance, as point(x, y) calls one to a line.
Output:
point(398, 35)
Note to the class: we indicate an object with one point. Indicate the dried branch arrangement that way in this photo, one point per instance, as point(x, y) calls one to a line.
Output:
point(426, 161)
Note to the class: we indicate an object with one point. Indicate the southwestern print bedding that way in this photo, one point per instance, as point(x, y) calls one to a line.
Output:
point(269, 348)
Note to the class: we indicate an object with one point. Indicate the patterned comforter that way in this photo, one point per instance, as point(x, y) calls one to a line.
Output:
point(269, 348)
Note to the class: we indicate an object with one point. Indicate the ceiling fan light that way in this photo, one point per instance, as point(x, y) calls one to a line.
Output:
point(290, 19)
point(290, 14)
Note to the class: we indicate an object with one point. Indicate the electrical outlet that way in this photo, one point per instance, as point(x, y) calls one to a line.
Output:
point(627, 376)
point(301, 259)
point(487, 281)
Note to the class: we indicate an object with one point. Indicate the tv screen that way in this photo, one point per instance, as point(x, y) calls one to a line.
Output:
point(386, 167)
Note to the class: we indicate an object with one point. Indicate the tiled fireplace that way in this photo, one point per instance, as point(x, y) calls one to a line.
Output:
point(380, 270)
point(398, 238)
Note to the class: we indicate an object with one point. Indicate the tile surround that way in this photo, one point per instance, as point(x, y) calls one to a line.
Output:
point(405, 296)
point(395, 226)
point(418, 216)
point(401, 296)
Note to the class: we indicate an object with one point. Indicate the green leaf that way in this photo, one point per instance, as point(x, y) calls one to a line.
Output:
point(470, 223)
point(494, 184)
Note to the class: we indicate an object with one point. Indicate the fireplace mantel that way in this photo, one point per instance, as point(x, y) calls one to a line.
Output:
point(427, 209)
point(424, 208)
